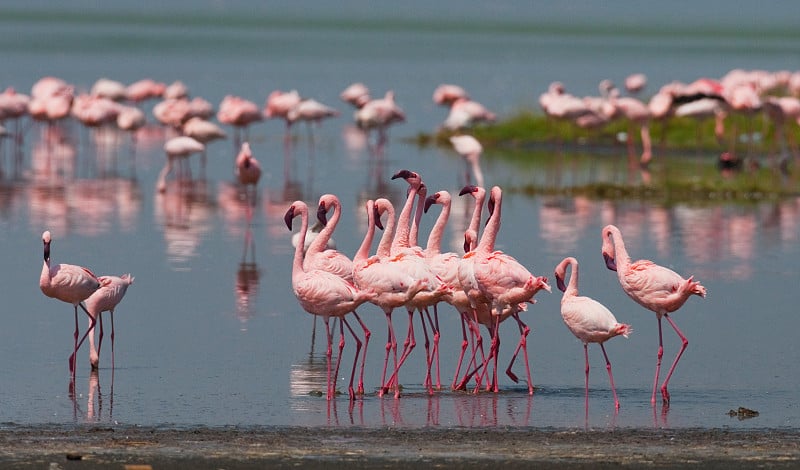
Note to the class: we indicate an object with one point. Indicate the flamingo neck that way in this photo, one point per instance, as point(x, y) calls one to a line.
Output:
point(615, 246)
point(401, 238)
point(572, 287)
point(297, 262)
point(324, 236)
point(413, 238)
point(435, 237)
point(363, 250)
point(475, 223)
point(385, 245)
point(489, 236)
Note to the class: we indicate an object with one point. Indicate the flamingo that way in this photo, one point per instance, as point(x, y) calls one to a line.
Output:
point(500, 281)
point(356, 95)
point(635, 83)
point(110, 89)
point(238, 113)
point(325, 294)
point(465, 112)
point(379, 273)
point(68, 283)
point(278, 105)
point(177, 147)
point(446, 93)
point(144, 90)
point(589, 320)
point(105, 299)
point(380, 114)
point(468, 147)
point(655, 288)
point(318, 256)
point(311, 111)
point(248, 172)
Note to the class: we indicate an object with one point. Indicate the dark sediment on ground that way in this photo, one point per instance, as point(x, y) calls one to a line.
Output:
point(241, 448)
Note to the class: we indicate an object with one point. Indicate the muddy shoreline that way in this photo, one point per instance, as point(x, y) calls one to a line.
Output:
point(283, 447)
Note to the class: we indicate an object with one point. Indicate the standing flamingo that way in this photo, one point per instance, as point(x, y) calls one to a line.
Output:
point(504, 284)
point(469, 148)
point(324, 294)
point(177, 147)
point(319, 256)
point(589, 320)
point(105, 299)
point(248, 172)
point(68, 283)
point(655, 288)
point(379, 273)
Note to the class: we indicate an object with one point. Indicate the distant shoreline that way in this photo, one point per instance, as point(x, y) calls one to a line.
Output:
point(282, 447)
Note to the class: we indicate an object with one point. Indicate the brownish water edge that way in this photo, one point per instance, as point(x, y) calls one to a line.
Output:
point(243, 448)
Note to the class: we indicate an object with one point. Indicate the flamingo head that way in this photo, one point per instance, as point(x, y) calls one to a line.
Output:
point(610, 261)
point(46, 241)
point(290, 215)
point(560, 282)
point(322, 213)
point(468, 189)
point(411, 177)
point(378, 222)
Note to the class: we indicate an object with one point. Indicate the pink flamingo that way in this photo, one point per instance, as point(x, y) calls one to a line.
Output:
point(176, 90)
point(445, 94)
point(110, 89)
point(319, 256)
point(203, 131)
point(240, 114)
point(635, 83)
point(380, 274)
point(105, 299)
point(379, 114)
point(589, 320)
point(311, 111)
point(68, 283)
point(325, 294)
point(655, 288)
point(278, 105)
point(144, 90)
point(248, 172)
point(469, 148)
point(465, 113)
point(501, 282)
point(177, 147)
point(356, 95)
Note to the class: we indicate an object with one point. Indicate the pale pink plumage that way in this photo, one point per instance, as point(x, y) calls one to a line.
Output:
point(589, 320)
point(105, 299)
point(68, 283)
point(654, 287)
point(325, 294)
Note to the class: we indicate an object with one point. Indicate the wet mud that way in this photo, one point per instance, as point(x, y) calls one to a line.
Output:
point(244, 448)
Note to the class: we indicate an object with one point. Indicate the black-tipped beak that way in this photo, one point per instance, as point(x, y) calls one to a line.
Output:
point(403, 174)
point(322, 214)
point(289, 217)
point(560, 283)
point(466, 244)
point(610, 262)
point(470, 188)
point(378, 222)
point(431, 200)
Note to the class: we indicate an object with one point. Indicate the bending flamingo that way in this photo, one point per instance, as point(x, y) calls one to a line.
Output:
point(589, 320)
point(655, 288)
point(105, 299)
point(68, 283)
point(324, 294)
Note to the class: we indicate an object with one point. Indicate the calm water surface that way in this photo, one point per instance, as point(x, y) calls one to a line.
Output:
point(210, 333)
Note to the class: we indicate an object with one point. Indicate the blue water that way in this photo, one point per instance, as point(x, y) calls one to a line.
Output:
point(205, 337)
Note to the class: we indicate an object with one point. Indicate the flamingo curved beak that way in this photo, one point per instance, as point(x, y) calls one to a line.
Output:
point(470, 188)
point(610, 262)
point(289, 217)
point(322, 214)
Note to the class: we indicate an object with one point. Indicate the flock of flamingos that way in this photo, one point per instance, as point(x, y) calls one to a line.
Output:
point(484, 285)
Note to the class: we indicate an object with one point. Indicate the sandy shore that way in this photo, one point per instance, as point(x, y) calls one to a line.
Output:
point(240, 448)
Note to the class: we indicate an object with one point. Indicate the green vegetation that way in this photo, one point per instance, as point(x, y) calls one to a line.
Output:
point(558, 158)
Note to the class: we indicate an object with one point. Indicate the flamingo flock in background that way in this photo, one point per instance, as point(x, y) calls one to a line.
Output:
point(485, 286)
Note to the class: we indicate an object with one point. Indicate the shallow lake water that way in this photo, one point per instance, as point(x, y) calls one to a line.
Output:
point(211, 334)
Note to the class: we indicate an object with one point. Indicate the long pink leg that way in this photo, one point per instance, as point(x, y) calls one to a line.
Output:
point(99, 337)
point(464, 344)
point(73, 357)
point(409, 345)
point(428, 355)
point(367, 334)
point(494, 348)
point(658, 361)
point(350, 390)
point(391, 344)
point(112, 339)
point(436, 337)
point(610, 377)
point(586, 361)
point(684, 345)
point(328, 356)
point(523, 344)
point(339, 358)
